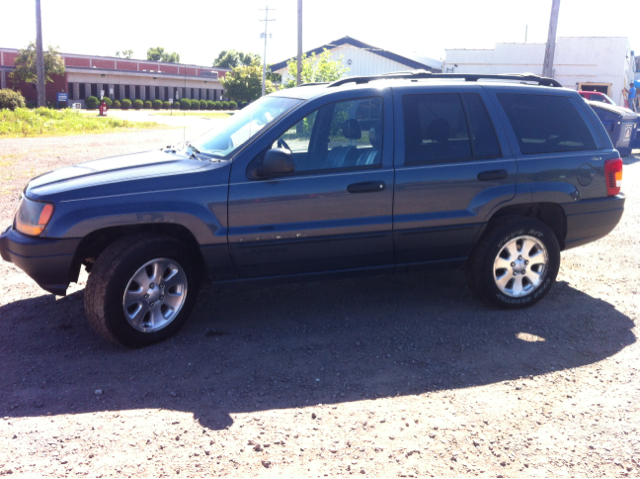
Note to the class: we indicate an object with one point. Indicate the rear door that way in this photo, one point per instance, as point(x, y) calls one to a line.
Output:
point(335, 211)
point(453, 166)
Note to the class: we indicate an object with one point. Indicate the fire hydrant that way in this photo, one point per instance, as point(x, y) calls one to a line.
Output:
point(103, 108)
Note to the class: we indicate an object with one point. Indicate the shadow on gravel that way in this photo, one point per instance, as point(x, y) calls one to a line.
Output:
point(299, 345)
point(631, 159)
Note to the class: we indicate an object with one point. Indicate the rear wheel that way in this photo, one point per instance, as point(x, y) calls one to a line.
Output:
point(515, 264)
point(141, 290)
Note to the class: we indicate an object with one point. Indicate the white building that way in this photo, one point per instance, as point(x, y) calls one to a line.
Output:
point(604, 64)
point(363, 59)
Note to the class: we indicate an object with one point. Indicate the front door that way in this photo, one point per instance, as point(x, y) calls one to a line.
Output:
point(334, 212)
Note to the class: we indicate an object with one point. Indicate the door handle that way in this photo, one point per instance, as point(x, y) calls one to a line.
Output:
point(493, 175)
point(366, 187)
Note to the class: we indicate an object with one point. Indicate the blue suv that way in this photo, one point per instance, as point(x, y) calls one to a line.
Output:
point(496, 174)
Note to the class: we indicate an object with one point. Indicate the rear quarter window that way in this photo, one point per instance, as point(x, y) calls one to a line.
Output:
point(546, 123)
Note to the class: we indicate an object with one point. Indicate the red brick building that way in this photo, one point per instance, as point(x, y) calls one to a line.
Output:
point(120, 78)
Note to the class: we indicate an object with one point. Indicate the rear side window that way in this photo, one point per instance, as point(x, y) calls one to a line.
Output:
point(546, 124)
point(447, 127)
point(483, 136)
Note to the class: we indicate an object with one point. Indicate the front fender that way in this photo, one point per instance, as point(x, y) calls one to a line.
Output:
point(201, 210)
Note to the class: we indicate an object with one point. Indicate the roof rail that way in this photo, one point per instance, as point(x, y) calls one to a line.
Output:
point(423, 74)
point(313, 83)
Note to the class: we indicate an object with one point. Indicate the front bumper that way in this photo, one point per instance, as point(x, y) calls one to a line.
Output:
point(589, 220)
point(48, 261)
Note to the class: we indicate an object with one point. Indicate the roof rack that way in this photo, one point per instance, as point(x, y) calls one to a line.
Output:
point(423, 74)
point(313, 83)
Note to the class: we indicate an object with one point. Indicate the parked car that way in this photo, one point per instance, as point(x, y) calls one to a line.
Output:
point(621, 124)
point(363, 175)
point(596, 96)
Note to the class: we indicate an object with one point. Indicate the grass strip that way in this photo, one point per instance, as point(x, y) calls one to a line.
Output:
point(201, 114)
point(23, 123)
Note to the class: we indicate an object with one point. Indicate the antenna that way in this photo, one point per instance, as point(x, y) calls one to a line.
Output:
point(264, 35)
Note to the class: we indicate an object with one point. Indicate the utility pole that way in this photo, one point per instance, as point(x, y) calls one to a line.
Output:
point(547, 68)
point(299, 69)
point(264, 35)
point(39, 58)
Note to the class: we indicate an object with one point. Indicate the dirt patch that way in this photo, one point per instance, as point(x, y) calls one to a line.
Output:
point(402, 375)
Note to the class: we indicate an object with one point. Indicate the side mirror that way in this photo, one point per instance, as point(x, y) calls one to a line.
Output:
point(277, 161)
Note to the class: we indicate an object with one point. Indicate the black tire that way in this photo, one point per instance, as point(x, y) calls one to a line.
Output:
point(482, 273)
point(624, 152)
point(111, 275)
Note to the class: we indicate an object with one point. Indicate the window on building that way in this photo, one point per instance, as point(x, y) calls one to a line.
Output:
point(546, 123)
point(137, 90)
point(157, 92)
point(147, 92)
point(193, 93)
point(94, 90)
point(105, 88)
point(166, 93)
point(184, 93)
point(116, 92)
point(127, 92)
point(70, 91)
point(82, 93)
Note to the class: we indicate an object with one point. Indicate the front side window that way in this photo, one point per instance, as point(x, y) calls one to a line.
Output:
point(244, 125)
point(341, 135)
point(546, 123)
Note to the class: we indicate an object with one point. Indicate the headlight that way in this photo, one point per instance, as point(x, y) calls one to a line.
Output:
point(32, 216)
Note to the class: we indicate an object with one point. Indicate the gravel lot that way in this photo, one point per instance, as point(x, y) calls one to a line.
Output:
point(403, 375)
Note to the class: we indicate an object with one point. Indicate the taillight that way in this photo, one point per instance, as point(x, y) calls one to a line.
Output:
point(613, 174)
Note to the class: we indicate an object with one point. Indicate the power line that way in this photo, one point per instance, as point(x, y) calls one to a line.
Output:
point(266, 21)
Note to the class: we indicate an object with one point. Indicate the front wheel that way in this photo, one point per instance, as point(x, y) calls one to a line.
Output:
point(141, 290)
point(515, 264)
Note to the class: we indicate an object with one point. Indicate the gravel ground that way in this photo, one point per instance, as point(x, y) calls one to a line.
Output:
point(403, 375)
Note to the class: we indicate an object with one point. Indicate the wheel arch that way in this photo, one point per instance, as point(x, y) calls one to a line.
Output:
point(92, 245)
point(551, 214)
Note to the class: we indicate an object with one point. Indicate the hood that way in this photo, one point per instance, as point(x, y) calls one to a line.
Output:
point(113, 170)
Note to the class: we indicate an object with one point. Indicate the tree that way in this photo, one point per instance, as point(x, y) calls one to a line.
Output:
point(233, 58)
point(320, 69)
point(26, 69)
point(158, 54)
point(125, 54)
point(244, 83)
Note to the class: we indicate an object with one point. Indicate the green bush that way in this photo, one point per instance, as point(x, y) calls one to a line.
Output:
point(137, 104)
point(195, 104)
point(157, 104)
point(185, 104)
point(217, 105)
point(166, 105)
point(147, 104)
point(108, 101)
point(225, 105)
point(233, 105)
point(210, 104)
point(11, 99)
point(126, 104)
point(91, 102)
point(116, 104)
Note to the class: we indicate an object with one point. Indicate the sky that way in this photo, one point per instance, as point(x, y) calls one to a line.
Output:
point(199, 29)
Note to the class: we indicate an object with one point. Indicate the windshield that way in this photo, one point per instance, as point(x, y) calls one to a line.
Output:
point(223, 142)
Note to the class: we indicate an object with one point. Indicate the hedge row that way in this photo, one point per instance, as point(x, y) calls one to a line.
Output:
point(184, 104)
